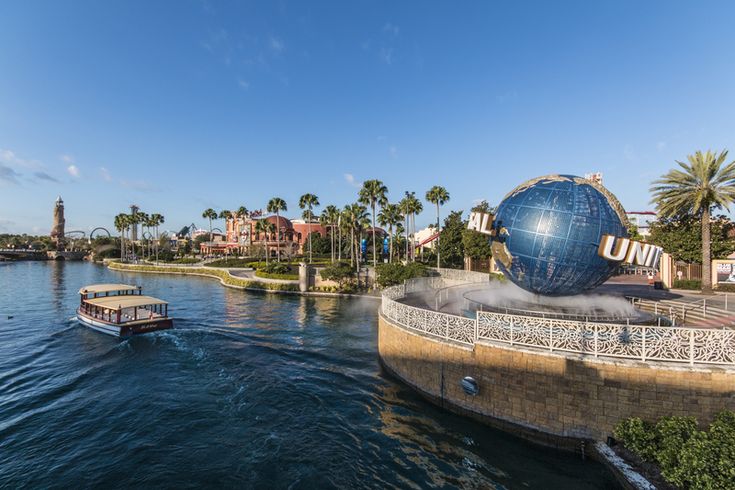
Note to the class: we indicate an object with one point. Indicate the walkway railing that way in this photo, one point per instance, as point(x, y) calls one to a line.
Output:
point(643, 343)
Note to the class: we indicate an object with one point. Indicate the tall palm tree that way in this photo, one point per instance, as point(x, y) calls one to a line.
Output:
point(240, 215)
point(328, 219)
point(390, 216)
point(157, 220)
point(209, 214)
point(276, 205)
point(410, 206)
point(120, 225)
point(357, 220)
point(437, 195)
point(266, 227)
point(373, 192)
point(308, 202)
point(706, 182)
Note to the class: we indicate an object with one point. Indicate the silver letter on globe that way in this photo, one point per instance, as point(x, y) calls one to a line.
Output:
point(629, 251)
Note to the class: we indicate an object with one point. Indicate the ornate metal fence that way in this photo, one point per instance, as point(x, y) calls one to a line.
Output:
point(643, 343)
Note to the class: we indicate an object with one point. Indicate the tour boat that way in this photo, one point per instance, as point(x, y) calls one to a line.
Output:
point(121, 310)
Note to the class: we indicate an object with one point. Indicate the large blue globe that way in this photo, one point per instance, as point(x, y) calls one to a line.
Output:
point(550, 229)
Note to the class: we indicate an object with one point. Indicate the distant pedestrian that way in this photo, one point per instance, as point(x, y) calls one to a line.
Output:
point(651, 278)
point(679, 275)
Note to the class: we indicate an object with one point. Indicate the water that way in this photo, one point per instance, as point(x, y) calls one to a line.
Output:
point(249, 390)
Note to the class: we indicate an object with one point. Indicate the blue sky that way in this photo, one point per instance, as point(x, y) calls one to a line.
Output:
point(182, 105)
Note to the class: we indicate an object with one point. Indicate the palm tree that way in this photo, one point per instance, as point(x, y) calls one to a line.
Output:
point(328, 219)
point(437, 195)
point(308, 202)
point(706, 182)
point(120, 224)
point(373, 192)
point(240, 215)
point(357, 220)
point(266, 227)
point(157, 220)
point(276, 205)
point(410, 206)
point(390, 216)
point(210, 214)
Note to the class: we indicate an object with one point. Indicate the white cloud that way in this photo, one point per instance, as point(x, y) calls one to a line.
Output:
point(67, 159)
point(661, 145)
point(73, 170)
point(350, 179)
point(243, 84)
point(393, 151)
point(105, 174)
point(386, 55)
point(10, 158)
point(276, 45)
point(391, 29)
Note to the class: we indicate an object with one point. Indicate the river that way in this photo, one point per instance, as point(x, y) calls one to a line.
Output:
point(250, 390)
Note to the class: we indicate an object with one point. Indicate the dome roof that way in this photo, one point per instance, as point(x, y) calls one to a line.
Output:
point(280, 222)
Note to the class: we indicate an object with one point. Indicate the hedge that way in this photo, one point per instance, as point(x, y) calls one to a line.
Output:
point(224, 277)
point(275, 275)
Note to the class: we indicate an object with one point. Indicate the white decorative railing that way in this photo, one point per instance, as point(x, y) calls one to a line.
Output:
point(639, 342)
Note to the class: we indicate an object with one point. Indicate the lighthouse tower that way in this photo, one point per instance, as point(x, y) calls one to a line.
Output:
point(57, 232)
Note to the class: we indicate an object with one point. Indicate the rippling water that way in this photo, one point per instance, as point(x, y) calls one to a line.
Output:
point(249, 390)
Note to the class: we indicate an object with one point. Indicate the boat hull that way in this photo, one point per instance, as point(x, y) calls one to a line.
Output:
point(124, 330)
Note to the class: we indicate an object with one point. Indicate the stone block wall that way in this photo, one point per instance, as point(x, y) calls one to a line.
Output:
point(557, 394)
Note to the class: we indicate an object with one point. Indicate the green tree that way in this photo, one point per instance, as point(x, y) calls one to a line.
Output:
point(703, 184)
point(158, 220)
point(390, 216)
point(266, 227)
point(438, 196)
point(477, 245)
point(450, 245)
point(329, 219)
point(682, 237)
point(373, 192)
point(209, 214)
point(410, 206)
point(276, 205)
point(308, 202)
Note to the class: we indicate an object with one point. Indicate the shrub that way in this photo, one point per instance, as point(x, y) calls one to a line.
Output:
point(340, 272)
point(275, 268)
point(687, 457)
point(671, 434)
point(230, 263)
point(688, 284)
point(726, 288)
point(707, 460)
point(638, 436)
point(396, 273)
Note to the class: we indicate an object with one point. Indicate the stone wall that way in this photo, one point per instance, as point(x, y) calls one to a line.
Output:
point(540, 394)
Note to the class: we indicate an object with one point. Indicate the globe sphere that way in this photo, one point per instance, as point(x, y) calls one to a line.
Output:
point(548, 233)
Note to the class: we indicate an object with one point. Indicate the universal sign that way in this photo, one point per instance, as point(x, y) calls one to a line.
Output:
point(629, 251)
point(611, 248)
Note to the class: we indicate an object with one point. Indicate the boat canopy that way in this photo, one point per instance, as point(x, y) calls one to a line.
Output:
point(120, 302)
point(107, 288)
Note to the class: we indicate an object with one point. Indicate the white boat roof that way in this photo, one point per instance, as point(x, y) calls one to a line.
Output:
point(119, 302)
point(107, 288)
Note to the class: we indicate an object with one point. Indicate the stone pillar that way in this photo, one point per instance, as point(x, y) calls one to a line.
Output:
point(306, 276)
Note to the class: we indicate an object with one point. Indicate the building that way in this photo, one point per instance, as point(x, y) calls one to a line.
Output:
point(595, 177)
point(241, 236)
point(641, 220)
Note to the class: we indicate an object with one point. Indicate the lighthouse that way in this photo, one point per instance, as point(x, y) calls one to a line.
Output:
point(57, 232)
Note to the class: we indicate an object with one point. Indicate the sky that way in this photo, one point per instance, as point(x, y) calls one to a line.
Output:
point(178, 106)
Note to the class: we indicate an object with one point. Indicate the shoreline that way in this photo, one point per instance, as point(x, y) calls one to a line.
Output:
point(226, 279)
